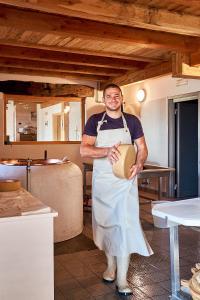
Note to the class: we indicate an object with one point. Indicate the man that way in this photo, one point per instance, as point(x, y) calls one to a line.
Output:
point(115, 206)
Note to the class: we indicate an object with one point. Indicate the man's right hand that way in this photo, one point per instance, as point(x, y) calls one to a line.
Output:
point(113, 153)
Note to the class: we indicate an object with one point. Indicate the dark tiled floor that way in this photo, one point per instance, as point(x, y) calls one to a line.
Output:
point(78, 275)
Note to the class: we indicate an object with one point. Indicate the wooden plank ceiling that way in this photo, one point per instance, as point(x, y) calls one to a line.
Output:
point(103, 41)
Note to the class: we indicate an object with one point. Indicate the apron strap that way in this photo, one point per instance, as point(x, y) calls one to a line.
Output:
point(101, 122)
point(125, 123)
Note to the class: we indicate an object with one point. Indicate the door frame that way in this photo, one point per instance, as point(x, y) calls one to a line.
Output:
point(171, 132)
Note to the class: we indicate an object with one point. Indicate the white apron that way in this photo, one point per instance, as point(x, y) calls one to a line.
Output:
point(115, 214)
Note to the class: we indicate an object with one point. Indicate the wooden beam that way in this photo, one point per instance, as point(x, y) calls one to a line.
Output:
point(140, 75)
point(76, 27)
point(69, 91)
point(45, 89)
point(57, 67)
point(195, 59)
point(192, 3)
point(68, 58)
point(120, 12)
point(93, 53)
point(41, 73)
point(181, 67)
point(37, 99)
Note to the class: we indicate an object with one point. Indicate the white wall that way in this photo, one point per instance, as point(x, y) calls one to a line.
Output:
point(10, 120)
point(154, 111)
point(75, 124)
point(45, 121)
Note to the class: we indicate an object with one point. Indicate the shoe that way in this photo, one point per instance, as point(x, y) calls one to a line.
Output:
point(107, 278)
point(110, 273)
point(122, 269)
point(124, 291)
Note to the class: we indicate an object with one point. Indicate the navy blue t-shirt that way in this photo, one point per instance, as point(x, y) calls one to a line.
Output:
point(133, 123)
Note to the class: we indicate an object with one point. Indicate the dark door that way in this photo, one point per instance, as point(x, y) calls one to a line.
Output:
point(186, 158)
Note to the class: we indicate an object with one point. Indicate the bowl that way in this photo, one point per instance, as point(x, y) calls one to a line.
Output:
point(9, 185)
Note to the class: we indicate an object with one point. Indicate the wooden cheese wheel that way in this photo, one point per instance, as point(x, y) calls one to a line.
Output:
point(9, 185)
point(127, 158)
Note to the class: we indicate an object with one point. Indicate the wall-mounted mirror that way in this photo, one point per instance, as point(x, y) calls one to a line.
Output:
point(43, 119)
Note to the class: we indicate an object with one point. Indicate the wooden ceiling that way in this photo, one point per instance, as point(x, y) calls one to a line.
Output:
point(100, 40)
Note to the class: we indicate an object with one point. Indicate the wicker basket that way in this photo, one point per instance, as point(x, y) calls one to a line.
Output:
point(194, 283)
point(195, 295)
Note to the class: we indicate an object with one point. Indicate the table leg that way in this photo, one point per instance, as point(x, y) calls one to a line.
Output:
point(175, 269)
point(160, 187)
point(171, 184)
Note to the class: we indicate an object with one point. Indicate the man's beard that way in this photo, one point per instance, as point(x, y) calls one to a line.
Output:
point(113, 109)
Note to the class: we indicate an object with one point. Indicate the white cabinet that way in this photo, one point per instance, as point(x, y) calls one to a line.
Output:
point(26, 256)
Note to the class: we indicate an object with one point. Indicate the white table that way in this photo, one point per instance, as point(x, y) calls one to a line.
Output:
point(184, 212)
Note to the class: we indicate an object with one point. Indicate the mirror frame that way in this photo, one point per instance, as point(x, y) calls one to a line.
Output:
point(41, 99)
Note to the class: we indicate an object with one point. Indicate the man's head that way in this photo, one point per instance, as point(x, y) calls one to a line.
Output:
point(112, 97)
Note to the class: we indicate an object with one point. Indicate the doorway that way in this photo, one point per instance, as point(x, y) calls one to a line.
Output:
point(183, 146)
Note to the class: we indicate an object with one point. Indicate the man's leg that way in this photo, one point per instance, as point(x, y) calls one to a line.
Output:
point(109, 274)
point(122, 269)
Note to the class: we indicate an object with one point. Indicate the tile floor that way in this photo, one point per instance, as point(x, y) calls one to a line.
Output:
point(78, 275)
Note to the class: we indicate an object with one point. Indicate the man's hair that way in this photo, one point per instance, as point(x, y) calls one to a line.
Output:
point(111, 85)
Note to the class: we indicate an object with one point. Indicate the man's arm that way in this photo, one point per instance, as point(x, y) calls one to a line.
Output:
point(88, 149)
point(142, 153)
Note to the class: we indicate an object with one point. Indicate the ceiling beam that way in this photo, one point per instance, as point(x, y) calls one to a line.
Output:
point(181, 67)
point(130, 57)
point(19, 71)
point(57, 67)
point(62, 25)
point(121, 13)
point(37, 99)
point(45, 89)
point(195, 59)
point(69, 58)
point(185, 3)
point(140, 75)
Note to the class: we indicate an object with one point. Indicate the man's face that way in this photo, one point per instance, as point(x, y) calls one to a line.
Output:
point(113, 99)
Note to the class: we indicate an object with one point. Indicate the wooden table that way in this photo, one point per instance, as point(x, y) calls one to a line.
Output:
point(159, 172)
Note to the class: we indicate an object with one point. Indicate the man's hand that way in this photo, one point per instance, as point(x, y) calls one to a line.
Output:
point(135, 169)
point(113, 153)
point(142, 153)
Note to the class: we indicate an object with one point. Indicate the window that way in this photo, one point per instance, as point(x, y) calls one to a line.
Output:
point(43, 119)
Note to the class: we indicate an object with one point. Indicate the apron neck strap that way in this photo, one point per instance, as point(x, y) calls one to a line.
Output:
point(101, 122)
point(124, 122)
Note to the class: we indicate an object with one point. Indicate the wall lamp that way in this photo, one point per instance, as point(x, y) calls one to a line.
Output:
point(141, 95)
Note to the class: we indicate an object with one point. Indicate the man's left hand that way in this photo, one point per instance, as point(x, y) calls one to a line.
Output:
point(135, 169)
